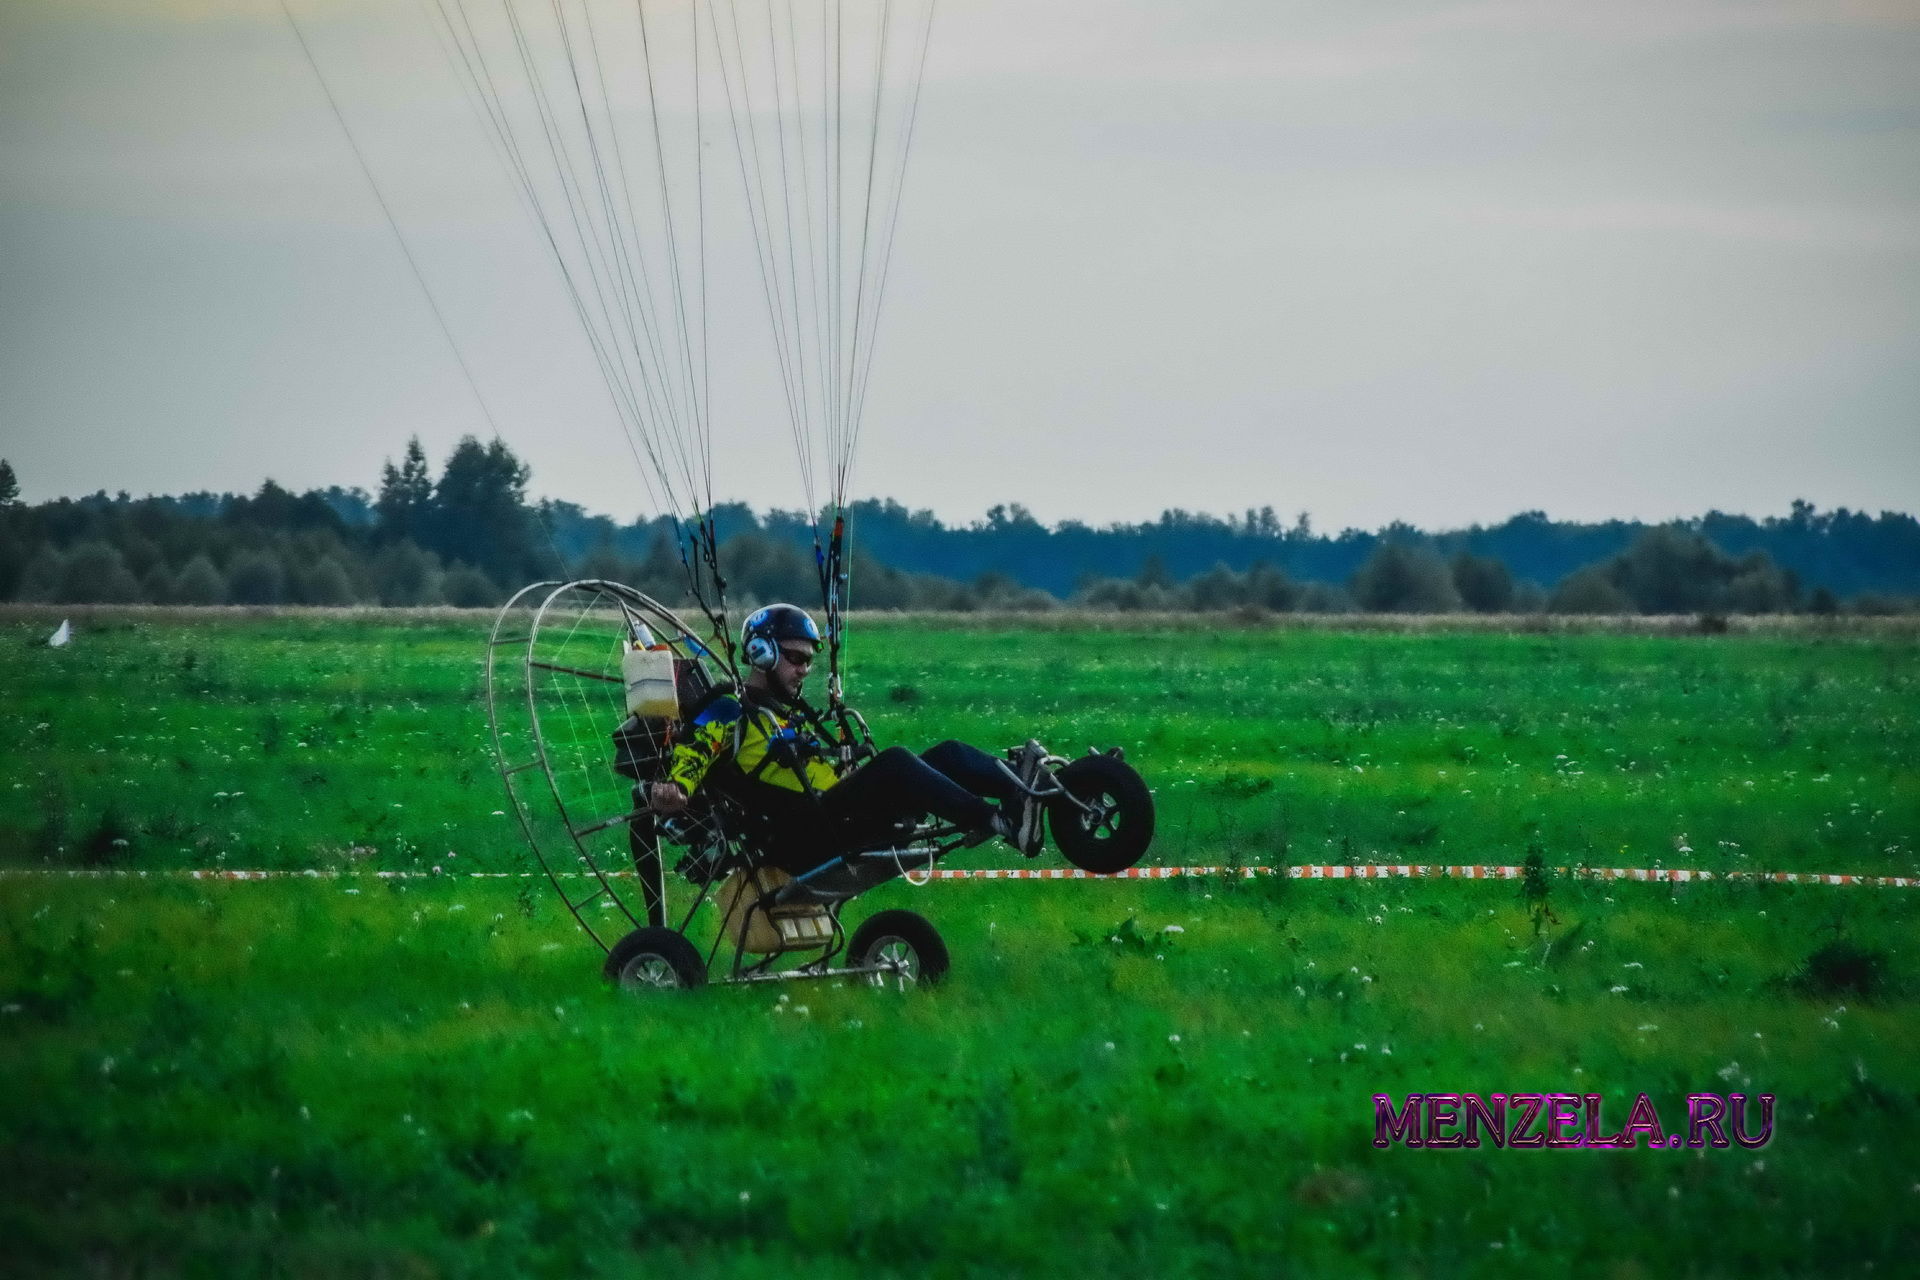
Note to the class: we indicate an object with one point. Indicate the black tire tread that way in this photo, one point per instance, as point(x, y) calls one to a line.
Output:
point(670, 945)
point(910, 927)
point(1090, 777)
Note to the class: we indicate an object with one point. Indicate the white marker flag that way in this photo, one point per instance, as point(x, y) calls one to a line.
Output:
point(60, 637)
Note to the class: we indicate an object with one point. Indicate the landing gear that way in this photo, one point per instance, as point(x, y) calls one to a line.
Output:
point(655, 958)
point(1104, 822)
point(902, 947)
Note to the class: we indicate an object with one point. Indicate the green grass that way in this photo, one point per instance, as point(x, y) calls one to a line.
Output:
point(330, 741)
point(424, 1078)
point(358, 1077)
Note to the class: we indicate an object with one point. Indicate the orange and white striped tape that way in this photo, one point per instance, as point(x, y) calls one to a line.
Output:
point(1361, 871)
point(1388, 871)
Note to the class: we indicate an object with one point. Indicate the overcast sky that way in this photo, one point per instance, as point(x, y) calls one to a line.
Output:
point(1376, 261)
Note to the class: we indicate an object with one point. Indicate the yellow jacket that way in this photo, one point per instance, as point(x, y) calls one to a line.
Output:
point(768, 744)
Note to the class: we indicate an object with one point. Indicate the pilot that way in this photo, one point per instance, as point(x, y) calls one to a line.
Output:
point(768, 751)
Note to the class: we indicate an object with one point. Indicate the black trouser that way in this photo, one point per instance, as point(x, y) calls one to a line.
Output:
point(952, 781)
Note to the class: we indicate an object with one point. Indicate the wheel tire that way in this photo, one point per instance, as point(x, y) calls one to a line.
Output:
point(1122, 839)
point(652, 959)
point(904, 939)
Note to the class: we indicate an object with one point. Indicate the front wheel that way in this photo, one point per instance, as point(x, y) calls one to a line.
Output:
point(654, 958)
point(1115, 826)
point(903, 947)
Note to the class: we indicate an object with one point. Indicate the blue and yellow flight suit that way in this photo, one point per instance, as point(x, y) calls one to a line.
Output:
point(775, 761)
point(779, 768)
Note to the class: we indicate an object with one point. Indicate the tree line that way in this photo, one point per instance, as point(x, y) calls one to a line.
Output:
point(452, 540)
point(470, 535)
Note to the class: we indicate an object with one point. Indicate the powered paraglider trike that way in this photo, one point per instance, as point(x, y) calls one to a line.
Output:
point(560, 682)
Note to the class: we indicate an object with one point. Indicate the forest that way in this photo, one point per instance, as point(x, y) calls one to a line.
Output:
point(470, 534)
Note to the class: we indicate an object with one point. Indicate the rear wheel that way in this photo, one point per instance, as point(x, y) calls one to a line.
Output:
point(1113, 830)
point(655, 959)
point(904, 946)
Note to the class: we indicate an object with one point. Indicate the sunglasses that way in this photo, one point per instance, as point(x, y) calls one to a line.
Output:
point(798, 657)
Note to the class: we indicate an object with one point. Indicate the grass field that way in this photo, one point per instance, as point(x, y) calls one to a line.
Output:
point(361, 1077)
point(335, 741)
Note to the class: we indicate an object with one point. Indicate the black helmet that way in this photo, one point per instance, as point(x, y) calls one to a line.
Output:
point(766, 628)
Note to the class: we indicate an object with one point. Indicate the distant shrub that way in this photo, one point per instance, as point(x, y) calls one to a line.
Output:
point(256, 577)
point(325, 583)
point(1759, 585)
point(1217, 589)
point(467, 588)
point(764, 568)
point(1589, 591)
point(95, 573)
point(40, 579)
point(1261, 588)
point(1323, 597)
point(403, 574)
point(1127, 595)
point(198, 582)
point(1670, 569)
point(13, 561)
point(1527, 598)
point(1880, 604)
point(1400, 577)
point(1028, 600)
point(1484, 583)
point(1000, 593)
point(603, 560)
point(140, 554)
point(156, 585)
point(1674, 569)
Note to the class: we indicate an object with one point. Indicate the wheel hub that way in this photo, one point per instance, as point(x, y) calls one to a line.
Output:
point(896, 958)
point(649, 970)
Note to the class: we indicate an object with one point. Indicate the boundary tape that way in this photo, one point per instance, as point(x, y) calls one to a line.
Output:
point(1362, 871)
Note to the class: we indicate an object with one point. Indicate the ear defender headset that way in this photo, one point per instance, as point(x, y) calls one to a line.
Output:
point(762, 654)
point(760, 638)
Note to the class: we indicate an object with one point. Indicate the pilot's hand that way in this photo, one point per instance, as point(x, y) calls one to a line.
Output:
point(666, 797)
